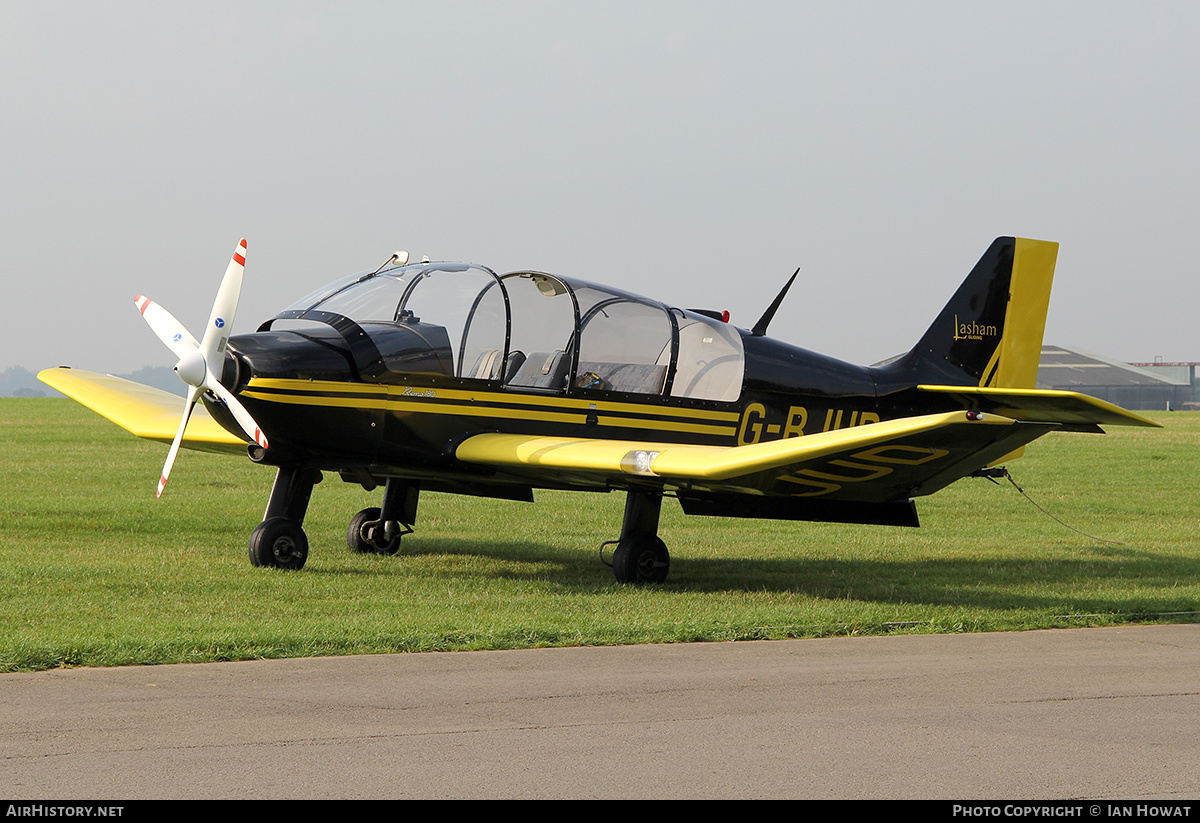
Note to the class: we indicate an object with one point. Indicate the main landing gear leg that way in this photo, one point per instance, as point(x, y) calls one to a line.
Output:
point(379, 530)
point(641, 557)
point(279, 540)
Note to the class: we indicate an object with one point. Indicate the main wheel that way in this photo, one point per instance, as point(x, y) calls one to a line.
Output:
point(641, 559)
point(278, 542)
point(370, 539)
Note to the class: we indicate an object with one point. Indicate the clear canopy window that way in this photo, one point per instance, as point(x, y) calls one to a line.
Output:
point(530, 330)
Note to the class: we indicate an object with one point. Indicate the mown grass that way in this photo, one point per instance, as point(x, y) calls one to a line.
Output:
point(94, 571)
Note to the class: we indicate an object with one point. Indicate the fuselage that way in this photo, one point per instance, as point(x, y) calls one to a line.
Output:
point(393, 389)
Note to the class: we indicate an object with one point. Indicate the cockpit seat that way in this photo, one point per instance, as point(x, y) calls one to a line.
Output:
point(516, 359)
point(487, 366)
point(543, 370)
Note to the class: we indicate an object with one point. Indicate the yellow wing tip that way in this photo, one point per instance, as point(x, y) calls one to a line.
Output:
point(148, 412)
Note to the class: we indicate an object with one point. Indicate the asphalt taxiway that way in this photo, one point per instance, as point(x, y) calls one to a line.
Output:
point(1080, 713)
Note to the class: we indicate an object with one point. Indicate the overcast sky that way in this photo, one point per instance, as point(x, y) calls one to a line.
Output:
point(696, 152)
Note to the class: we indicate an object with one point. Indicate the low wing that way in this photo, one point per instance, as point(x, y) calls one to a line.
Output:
point(143, 410)
point(879, 462)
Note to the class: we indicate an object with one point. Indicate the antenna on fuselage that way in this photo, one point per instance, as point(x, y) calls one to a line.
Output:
point(760, 328)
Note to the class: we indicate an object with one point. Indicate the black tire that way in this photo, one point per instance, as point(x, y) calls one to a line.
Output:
point(278, 543)
point(354, 538)
point(374, 542)
point(641, 560)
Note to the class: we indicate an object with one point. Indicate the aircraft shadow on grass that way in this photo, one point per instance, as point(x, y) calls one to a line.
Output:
point(1084, 583)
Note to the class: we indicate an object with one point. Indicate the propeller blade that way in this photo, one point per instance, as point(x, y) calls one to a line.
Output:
point(192, 394)
point(216, 334)
point(164, 325)
point(197, 360)
point(249, 426)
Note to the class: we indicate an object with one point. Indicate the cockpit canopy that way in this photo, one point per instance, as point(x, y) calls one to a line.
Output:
point(525, 329)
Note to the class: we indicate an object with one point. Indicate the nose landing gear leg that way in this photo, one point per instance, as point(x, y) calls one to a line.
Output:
point(279, 540)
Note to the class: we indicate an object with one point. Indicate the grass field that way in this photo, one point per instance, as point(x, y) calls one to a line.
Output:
point(94, 571)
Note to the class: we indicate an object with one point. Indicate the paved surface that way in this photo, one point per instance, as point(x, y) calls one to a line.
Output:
point(1089, 713)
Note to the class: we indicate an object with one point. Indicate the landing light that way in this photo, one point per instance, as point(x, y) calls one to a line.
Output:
point(639, 461)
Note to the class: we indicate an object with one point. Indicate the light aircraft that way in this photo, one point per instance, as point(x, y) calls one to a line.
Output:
point(448, 377)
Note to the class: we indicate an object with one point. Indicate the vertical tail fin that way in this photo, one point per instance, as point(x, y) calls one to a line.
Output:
point(990, 333)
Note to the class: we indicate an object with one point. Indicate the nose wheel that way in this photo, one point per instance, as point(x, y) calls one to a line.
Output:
point(280, 543)
point(279, 540)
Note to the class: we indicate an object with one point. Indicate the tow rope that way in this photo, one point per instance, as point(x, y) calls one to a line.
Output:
point(992, 474)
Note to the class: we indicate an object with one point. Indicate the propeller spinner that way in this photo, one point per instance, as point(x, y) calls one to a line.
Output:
point(198, 362)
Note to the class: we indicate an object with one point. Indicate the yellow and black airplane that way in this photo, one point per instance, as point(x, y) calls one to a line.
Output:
point(449, 377)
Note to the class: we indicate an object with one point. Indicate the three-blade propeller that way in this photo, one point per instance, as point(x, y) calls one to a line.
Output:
point(199, 363)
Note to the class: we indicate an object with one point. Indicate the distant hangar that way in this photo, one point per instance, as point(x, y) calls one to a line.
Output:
point(1156, 385)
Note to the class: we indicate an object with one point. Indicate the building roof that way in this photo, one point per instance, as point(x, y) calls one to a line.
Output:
point(1062, 367)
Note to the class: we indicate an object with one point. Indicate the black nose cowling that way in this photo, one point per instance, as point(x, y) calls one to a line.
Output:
point(277, 355)
point(286, 355)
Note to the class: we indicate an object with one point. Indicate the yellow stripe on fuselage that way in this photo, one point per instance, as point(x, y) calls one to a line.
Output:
point(506, 405)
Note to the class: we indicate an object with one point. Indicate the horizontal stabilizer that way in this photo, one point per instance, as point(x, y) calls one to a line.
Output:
point(1066, 408)
point(148, 412)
